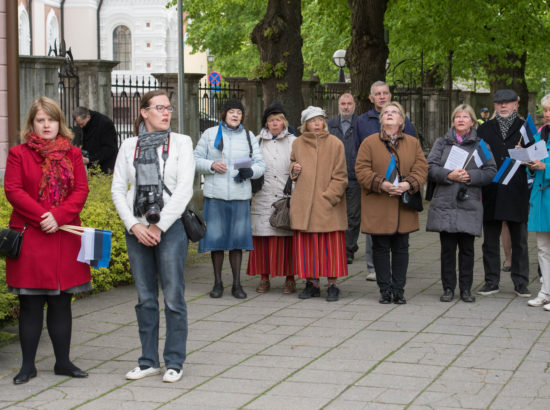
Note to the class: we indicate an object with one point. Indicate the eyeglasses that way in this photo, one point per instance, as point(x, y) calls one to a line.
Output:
point(161, 108)
point(394, 112)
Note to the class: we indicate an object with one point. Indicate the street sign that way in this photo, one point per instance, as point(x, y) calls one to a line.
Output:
point(214, 78)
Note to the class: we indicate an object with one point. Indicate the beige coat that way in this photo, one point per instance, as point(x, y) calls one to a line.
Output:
point(318, 202)
point(380, 213)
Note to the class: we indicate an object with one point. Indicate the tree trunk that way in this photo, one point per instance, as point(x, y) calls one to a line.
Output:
point(367, 52)
point(500, 73)
point(281, 67)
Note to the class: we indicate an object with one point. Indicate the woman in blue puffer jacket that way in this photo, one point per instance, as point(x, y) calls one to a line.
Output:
point(228, 156)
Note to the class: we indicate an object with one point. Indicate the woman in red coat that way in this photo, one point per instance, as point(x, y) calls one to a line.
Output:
point(45, 182)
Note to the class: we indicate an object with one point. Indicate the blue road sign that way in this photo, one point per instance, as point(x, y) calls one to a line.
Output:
point(214, 78)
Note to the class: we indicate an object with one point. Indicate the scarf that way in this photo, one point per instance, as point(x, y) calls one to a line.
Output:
point(506, 123)
point(57, 168)
point(391, 139)
point(146, 163)
point(266, 134)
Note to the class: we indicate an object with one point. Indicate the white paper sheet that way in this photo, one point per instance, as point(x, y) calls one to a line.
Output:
point(456, 159)
point(243, 163)
point(535, 152)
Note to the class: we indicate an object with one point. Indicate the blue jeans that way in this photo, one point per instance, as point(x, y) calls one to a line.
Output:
point(165, 261)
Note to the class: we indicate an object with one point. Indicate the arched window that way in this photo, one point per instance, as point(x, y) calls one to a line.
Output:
point(24, 32)
point(52, 31)
point(122, 47)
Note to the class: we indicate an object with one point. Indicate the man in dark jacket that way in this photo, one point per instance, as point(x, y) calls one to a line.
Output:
point(342, 127)
point(99, 138)
point(509, 202)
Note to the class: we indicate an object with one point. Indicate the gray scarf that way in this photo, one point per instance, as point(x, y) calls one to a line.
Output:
point(146, 163)
point(506, 123)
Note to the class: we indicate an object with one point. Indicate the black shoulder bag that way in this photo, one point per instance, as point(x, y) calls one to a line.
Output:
point(257, 183)
point(10, 242)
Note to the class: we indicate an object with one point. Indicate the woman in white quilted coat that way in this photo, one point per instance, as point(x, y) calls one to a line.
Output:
point(272, 254)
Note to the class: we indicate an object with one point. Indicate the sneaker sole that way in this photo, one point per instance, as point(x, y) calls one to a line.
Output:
point(143, 376)
point(523, 295)
point(487, 293)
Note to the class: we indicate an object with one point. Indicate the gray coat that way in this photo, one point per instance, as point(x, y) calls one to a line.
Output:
point(446, 212)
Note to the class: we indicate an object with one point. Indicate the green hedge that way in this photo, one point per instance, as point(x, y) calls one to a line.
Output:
point(99, 212)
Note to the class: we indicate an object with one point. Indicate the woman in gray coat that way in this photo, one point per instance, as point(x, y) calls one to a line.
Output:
point(456, 210)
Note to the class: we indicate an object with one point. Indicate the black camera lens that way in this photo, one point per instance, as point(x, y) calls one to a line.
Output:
point(462, 194)
point(152, 209)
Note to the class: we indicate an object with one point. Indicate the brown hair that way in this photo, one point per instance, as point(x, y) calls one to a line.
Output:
point(51, 108)
point(144, 103)
point(303, 127)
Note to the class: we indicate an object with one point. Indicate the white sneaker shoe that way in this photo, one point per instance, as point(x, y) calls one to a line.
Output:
point(547, 307)
point(371, 276)
point(172, 376)
point(137, 373)
point(538, 301)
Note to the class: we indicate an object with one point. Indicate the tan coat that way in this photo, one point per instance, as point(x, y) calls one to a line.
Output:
point(318, 202)
point(380, 213)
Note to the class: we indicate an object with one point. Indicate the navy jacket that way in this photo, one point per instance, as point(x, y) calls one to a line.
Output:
point(335, 128)
point(369, 123)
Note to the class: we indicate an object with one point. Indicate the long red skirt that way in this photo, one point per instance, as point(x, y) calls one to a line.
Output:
point(272, 255)
point(320, 254)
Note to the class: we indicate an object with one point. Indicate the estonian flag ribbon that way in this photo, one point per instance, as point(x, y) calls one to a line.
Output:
point(392, 175)
point(218, 142)
point(528, 131)
point(482, 154)
point(507, 170)
point(95, 245)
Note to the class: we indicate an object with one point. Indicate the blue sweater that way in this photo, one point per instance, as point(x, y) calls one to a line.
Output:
point(369, 123)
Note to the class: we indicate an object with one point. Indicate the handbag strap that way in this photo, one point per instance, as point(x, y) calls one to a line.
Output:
point(288, 187)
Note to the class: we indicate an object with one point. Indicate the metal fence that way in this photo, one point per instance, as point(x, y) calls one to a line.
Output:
point(211, 100)
point(126, 93)
point(68, 87)
point(326, 96)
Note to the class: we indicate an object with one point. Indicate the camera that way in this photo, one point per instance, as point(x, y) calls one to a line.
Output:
point(462, 194)
point(149, 205)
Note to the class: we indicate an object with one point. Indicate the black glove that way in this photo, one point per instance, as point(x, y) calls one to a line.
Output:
point(243, 175)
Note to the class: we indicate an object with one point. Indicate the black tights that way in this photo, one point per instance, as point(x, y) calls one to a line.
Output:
point(235, 258)
point(59, 321)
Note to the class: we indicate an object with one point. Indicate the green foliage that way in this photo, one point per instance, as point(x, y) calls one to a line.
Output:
point(282, 87)
point(9, 304)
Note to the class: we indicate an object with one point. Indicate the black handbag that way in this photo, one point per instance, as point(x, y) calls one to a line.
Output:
point(10, 242)
point(430, 189)
point(195, 227)
point(412, 201)
point(280, 218)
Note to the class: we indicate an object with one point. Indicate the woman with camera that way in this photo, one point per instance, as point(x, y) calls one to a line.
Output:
point(46, 184)
point(456, 210)
point(228, 156)
point(390, 165)
point(152, 185)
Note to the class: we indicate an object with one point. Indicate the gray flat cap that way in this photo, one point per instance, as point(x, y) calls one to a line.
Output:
point(505, 95)
point(311, 112)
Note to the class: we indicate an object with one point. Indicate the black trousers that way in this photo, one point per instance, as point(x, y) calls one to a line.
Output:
point(491, 252)
point(353, 206)
point(391, 277)
point(449, 243)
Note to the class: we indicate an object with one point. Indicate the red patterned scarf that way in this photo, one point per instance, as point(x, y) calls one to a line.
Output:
point(57, 168)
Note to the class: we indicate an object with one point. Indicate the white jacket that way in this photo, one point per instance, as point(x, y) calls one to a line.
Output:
point(178, 177)
point(276, 153)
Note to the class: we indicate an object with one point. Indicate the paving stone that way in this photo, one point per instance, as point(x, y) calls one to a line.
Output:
point(213, 399)
point(271, 401)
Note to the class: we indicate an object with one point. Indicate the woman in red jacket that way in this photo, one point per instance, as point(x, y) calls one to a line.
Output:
point(45, 182)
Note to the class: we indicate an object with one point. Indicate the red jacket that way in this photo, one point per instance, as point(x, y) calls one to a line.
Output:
point(47, 261)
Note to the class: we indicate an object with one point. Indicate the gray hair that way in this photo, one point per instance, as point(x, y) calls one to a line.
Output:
point(81, 112)
point(377, 84)
point(468, 108)
point(545, 101)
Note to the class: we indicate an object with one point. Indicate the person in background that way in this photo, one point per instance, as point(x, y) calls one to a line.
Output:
point(383, 216)
point(369, 124)
point(318, 205)
point(539, 210)
point(99, 138)
point(152, 185)
point(46, 184)
point(227, 192)
point(272, 253)
point(484, 115)
point(342, 127)
point(455, 209)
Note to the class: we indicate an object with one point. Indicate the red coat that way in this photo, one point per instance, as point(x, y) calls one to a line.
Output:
point(47, 261)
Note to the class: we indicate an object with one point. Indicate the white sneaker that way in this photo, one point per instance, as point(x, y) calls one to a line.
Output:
point(538, 301)
point(547, 307)
point(371, 276)
point(137, 373)
point(172, 376)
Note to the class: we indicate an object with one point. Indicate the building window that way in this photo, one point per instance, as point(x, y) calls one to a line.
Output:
point(24, 32)
point(52, 32)
point(122, 48)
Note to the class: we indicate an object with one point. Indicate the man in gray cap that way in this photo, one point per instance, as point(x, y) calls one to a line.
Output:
point(509, 202)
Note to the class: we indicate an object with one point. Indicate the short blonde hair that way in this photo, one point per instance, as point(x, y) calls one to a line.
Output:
point(545, 101)
point(51, 108)
point(399, 108)
point(303, 127)
point(468, 108)
point(279, 115)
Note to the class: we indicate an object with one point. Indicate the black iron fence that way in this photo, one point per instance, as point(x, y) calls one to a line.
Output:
point(68, 87)
point(326, 96)
point(126, 93)
point(211, 100)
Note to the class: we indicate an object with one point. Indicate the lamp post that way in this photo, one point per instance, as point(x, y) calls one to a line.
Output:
point(339, 60)
point(210, 59)
point(543, 83)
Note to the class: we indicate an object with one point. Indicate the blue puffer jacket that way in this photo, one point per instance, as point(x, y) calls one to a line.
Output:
point(539, 203)
point(235, 147)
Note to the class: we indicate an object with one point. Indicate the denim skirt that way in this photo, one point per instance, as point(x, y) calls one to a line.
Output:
point(227, 225)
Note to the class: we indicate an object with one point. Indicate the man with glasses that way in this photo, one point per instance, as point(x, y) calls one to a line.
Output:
point(99, 138)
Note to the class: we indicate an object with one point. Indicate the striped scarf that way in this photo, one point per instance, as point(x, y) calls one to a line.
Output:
point(57, 168)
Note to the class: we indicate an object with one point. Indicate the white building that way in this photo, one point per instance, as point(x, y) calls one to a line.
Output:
point(141, 34)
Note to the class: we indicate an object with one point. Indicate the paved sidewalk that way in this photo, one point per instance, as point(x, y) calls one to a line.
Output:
point(274, 351)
